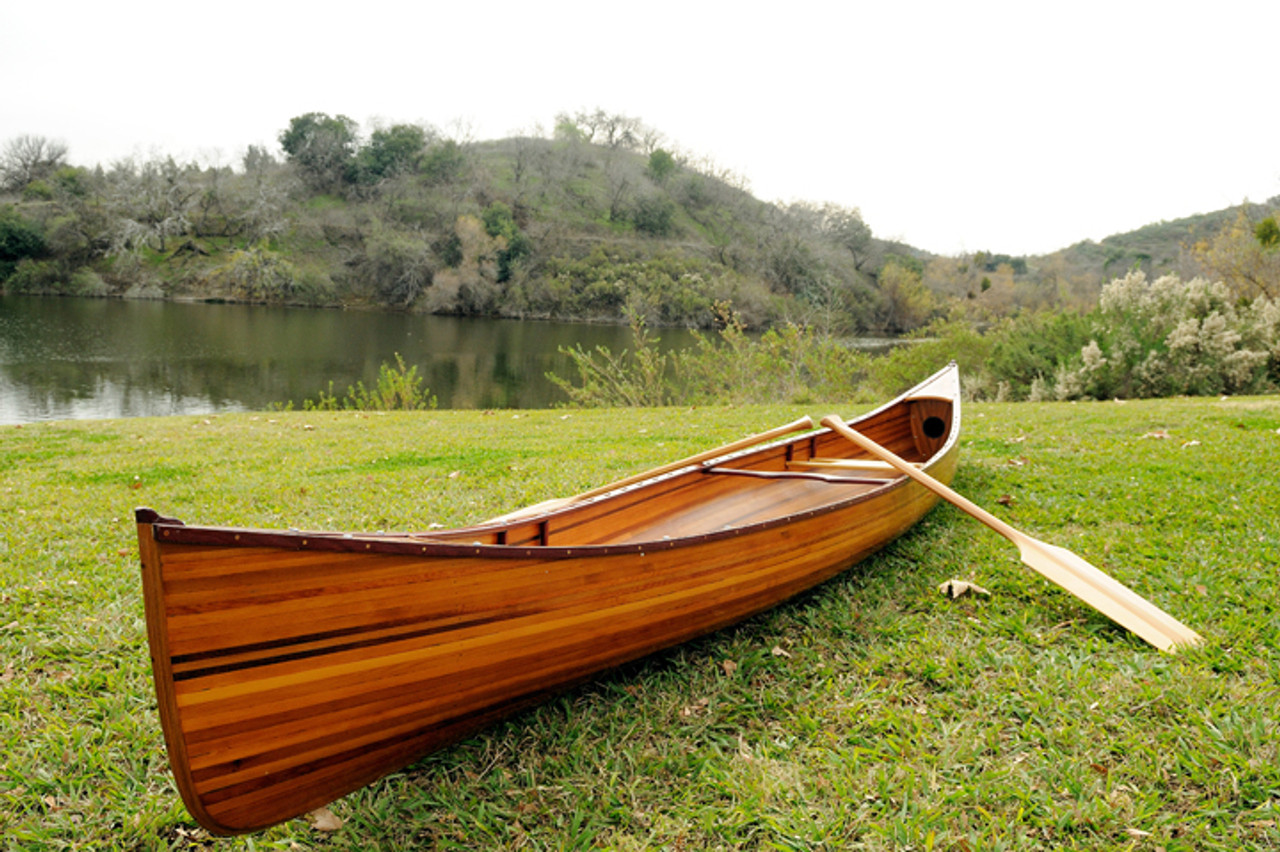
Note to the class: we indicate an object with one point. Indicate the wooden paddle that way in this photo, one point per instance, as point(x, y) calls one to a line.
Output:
point(1059, 565)
point(559, 502)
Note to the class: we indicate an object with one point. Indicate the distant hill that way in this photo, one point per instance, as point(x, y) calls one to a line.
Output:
point(1158, 248)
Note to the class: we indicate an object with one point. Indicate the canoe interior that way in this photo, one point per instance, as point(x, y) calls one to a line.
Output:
point(294, 667)
point(711, 497)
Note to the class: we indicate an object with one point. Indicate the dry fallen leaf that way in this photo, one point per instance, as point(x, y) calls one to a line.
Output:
point(697, 707)
point(324, 819)
point(1005, 500)
point(956, 588)
point(1190, 444)
point(729, 667)
point(1158, 434)
point(779, 651)
point(1137, 832)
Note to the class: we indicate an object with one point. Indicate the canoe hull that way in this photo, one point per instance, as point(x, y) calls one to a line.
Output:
point(292, 669)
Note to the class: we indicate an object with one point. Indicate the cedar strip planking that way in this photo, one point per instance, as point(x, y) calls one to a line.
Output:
point(607, 623)
point(485, 682)
point(296, 590)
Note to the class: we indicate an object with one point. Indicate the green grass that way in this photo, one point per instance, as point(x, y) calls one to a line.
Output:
point(871, 713)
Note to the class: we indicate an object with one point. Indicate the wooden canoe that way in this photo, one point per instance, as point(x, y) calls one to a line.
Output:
point(294, 667)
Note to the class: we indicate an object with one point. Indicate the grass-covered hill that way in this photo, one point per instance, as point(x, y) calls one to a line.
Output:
point(1159, 248)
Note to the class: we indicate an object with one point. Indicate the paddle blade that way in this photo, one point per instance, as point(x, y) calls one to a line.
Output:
point(1106, 594)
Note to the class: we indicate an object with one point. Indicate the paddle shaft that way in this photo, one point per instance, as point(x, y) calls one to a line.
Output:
point(1059, 565)
point(834, 423)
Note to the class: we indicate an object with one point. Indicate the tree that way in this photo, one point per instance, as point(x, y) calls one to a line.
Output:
point(152, 202)
point(19, 239)
point(257, 159)
point(443, 162)
point(612, 130)
point(27, 158)
point(661, 165)
point(907, 302)
point(500, 223)
point(321, 146)
point(1240, 257)
point(390, 151)
point(654, 215)
point(1267, 232)
point(844, 227)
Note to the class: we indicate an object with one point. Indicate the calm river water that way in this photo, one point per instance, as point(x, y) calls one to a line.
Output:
point(92, 358)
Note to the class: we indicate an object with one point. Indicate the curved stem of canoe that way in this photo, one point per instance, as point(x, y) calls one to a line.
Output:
point(801, 425)
point(1101, 591)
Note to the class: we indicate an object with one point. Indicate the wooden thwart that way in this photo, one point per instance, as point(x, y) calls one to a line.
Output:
point(1059, 565)
point(865, 467)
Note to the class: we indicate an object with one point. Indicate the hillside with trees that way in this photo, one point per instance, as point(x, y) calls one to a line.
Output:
point(600, 219)
point(589, 222)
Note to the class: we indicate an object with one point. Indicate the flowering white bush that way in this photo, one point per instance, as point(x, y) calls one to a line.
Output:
point(1168, 337)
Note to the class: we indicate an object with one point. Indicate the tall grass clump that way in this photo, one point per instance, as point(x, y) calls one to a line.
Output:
point(397, 389)
point(792, 364)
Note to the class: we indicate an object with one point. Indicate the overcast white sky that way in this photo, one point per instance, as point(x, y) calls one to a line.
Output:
point(1017, 127)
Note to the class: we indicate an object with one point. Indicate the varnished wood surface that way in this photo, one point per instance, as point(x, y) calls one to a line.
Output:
point(292, 668)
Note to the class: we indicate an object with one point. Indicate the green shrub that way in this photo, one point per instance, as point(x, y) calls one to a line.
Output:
point(1168, 337)
point(35, 276)
point(793, 364)
point(37, 190)
point(926, 350)
point(257, 274)
point(636, 377)
point(1027, 351)
point(654, 215)
point(397, 390)
point(86, 282)
point(20, 239)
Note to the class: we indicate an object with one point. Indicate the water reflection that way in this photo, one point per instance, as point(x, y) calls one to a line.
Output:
point(85, 358)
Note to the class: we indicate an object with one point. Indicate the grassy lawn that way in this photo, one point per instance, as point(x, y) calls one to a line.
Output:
point(872, 713)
